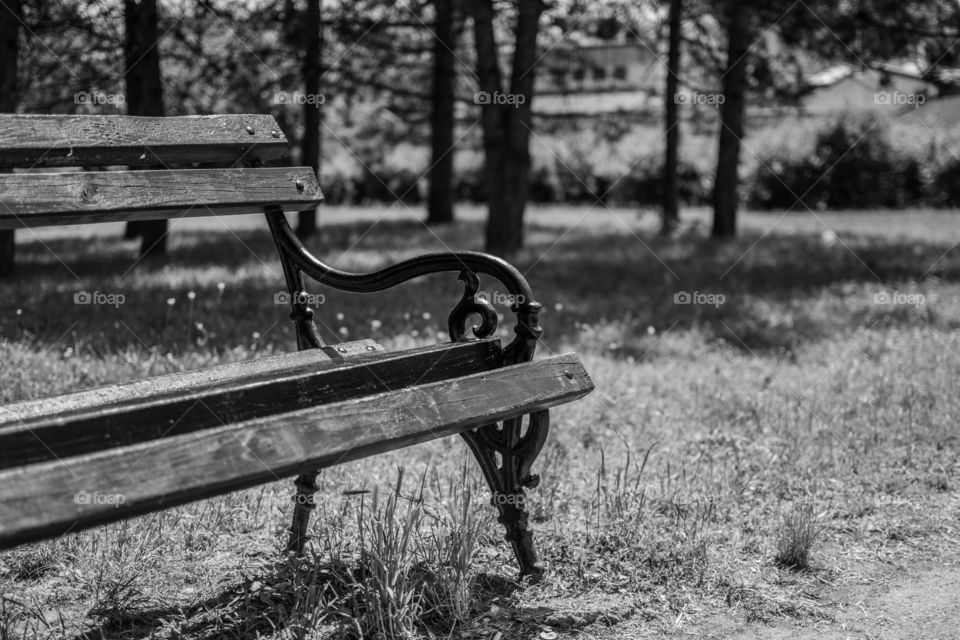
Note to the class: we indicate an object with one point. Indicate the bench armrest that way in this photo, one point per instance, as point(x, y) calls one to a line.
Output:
point(297, 261)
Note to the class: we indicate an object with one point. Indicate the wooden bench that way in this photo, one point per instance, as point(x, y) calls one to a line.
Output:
point(151, 444)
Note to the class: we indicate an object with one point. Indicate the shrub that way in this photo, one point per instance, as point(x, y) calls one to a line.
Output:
point(853, 164)
point(946, 185)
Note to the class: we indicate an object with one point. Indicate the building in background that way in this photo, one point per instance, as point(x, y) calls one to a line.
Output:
point(588, 80)
point(888, 88)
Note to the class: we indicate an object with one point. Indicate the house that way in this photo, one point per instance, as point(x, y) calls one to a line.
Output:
point(886, 88)
point(608, 78)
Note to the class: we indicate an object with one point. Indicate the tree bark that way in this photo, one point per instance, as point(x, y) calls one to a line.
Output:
point(731, 122)
point(440, 197)
point(144, 98)
point(506, 123)
point(670, 215)
point(10, 15)
point(310, 146)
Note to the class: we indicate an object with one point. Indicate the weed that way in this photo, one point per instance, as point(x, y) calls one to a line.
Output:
point(797, 534)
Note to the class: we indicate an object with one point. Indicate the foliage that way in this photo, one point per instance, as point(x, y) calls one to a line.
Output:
point(853, 163)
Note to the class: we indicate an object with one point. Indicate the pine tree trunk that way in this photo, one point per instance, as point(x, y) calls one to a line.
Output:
point(671, 208)
point(310, 146)
point(144, 98)
point(440, 197)
point(725, 199)
point(10, 16)
point(506, 124)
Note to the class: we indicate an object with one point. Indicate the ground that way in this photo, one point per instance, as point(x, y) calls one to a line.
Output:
point(793, 389)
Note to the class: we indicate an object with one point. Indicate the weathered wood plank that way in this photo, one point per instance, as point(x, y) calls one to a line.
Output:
point(28, 141)
point(51, 498)
point(41, 199)
point(117, 416)
point(169, 384)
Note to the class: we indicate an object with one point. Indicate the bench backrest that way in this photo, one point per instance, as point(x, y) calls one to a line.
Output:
point(244, 142)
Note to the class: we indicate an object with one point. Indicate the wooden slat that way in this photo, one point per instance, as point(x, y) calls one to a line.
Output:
point(28, 141)
point(171, 384)
point(41, 199)
point(119, 415)
point(40, 500)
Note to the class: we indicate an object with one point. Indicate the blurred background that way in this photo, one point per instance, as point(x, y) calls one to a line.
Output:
point(650, 105)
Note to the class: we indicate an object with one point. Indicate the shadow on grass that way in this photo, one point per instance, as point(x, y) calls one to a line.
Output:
point(286, 600)
point(614, 290)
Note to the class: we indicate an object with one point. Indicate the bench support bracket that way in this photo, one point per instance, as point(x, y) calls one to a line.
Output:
point(505, 451)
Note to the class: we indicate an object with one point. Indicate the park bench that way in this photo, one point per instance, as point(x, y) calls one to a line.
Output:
point(85, 458)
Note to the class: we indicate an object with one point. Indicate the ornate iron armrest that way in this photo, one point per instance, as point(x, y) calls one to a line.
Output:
point(297, 261)
point(516, 447)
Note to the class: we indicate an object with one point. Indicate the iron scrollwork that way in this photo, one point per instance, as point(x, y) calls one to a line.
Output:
point(469, 305)
point(505, 451)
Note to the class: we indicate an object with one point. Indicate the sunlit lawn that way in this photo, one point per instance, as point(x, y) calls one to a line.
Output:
point(796, 390)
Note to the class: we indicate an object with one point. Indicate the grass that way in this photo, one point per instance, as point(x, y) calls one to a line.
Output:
point(799, 531)
point(667, 496)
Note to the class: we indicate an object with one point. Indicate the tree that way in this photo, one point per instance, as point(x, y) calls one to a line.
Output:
point(859, 32)
point(144, 96)
point(440, 197)
point(734, 79)
point(10, 17)
point(671, 215)
point(506, 121)
point(312, 42)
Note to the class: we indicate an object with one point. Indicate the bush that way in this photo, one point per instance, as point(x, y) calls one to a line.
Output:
point(853, 164)
point(946, 185)
point(644, 184)
point(622, 166)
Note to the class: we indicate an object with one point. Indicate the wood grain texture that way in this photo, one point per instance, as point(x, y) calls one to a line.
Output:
point(42, 199)
point(28, 141)
point(51, 498)
point(117, 416)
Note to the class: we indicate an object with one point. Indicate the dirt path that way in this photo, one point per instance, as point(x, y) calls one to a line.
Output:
point(919, 602)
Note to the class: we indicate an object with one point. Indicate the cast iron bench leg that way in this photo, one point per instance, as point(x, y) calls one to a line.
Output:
point(304, 504)
point(506, 456)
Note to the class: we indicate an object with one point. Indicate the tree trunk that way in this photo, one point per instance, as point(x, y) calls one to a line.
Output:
point(731, 122)
point(144, 97)
point(310, 146)
point(440, 198)
point(670, 216)
point(506, 121)
point(10, 16)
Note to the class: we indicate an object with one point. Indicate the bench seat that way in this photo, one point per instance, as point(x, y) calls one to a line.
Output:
point(152, 444)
